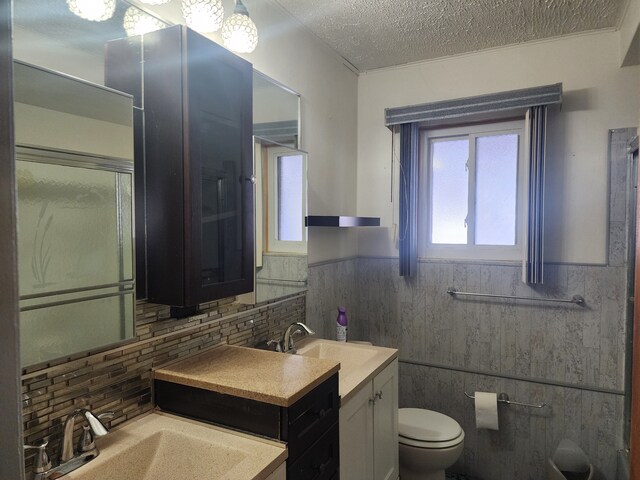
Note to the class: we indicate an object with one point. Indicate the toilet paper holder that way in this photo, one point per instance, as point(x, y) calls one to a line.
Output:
point(504, 398)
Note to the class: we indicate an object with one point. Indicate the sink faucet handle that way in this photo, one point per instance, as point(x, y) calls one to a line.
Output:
point(97, 427)
point(43, 463)
point(275, 342)
point(106, 415)
point(87, 438)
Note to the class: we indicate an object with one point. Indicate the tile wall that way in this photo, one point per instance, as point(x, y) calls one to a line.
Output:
point(331, 285)
point(119, 379)
point(449, 346)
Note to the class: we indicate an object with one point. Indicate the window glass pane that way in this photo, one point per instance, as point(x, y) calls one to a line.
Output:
point(450, 191)
point(496, 185)
point(290, 169)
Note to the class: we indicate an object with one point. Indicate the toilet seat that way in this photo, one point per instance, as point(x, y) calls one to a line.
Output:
point(428, 429)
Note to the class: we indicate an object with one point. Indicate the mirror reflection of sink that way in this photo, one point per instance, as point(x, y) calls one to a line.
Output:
point(358, 362)
point(161, 446)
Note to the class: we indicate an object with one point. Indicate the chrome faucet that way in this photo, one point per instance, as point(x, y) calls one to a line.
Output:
point(87, 445)
point(71, 459)
point(287, 344)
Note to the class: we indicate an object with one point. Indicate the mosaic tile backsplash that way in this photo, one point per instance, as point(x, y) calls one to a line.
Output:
point(119, 379)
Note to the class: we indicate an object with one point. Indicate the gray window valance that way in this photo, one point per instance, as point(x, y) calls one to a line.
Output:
point(479, 105)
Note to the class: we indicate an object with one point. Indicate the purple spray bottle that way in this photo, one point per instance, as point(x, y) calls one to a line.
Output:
point(341, 325)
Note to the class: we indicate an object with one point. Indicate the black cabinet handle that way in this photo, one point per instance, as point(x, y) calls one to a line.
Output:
point(322, 467)
point(322, 413)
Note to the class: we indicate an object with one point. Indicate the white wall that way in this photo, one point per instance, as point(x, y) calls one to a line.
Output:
point(598, 96)
point(630, 35)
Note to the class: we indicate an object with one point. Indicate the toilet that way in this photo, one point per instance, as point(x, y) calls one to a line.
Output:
point(429, 442)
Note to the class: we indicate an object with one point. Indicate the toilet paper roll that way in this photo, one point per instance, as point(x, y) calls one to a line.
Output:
point(486, 410)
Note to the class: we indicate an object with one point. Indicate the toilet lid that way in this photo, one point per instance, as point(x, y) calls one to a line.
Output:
point(426, 425)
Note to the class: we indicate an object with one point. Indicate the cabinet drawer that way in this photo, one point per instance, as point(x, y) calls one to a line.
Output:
point(311, 416)
point(213, 407)
point(321, 461)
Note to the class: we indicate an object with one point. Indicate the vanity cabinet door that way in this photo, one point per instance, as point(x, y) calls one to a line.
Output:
point(220, 164)
point(369, 429)
point(321, 461)
point(385, 423)
point(356, 436)
point(310, 416)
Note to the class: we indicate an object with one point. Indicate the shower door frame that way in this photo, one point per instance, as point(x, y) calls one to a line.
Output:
point(634, 437)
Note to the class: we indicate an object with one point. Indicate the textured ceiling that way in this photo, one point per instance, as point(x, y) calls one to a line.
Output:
point(380, 33)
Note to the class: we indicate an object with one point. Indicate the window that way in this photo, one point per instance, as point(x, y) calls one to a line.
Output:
point(287, 205)
point(471, 182)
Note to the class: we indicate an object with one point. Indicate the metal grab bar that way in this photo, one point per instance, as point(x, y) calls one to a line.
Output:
point(504, 398)
point(576, 299)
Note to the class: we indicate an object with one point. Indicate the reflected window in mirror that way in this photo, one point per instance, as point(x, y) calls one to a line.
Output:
point(287, 201)
point(281, 246)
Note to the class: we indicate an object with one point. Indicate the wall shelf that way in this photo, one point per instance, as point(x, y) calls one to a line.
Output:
point(341, 221)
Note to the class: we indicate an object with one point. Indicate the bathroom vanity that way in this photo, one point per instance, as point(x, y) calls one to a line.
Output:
point(290, 398)
point(368, 406)
point(342, 426)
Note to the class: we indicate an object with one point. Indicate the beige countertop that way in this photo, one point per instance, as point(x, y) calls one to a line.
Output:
point(160, 446)
point(270, 377)
point(359, 363)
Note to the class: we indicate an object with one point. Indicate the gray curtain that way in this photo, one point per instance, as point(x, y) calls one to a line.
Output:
point(533, 263)
point(408, 234)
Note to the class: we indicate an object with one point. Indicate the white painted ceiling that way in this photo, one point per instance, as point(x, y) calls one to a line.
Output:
point(380, 33)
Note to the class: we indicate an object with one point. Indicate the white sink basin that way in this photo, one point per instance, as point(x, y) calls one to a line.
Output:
point(164, 447)
point(358, 363)
point(350, 357)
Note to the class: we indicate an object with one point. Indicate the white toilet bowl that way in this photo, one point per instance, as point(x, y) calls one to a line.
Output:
point(429, 441)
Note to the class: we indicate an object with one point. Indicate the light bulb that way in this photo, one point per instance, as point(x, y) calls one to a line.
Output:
point(94, 10)
point(203, 16)
point(137, 22)
point(155, 2)
point(239, 33)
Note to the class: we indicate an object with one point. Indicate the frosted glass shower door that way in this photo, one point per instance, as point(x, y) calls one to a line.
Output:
point(75, 253)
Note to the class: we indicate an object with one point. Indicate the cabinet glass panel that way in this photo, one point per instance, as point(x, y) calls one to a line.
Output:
point(219, 148)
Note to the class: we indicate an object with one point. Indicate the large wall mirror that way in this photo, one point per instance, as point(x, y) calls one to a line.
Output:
point(65, 310)
point(75, 184)
point(281, 192)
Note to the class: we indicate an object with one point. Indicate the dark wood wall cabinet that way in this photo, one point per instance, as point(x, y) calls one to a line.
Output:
point(309, 426)
point(194, 165)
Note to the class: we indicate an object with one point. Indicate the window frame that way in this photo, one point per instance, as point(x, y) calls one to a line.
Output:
point(469, 251)
point(273, 243)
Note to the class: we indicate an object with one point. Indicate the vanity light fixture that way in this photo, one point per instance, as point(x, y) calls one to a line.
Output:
point(94, 10)
point(137, 22)
point(204, 16)
point(239, 33)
